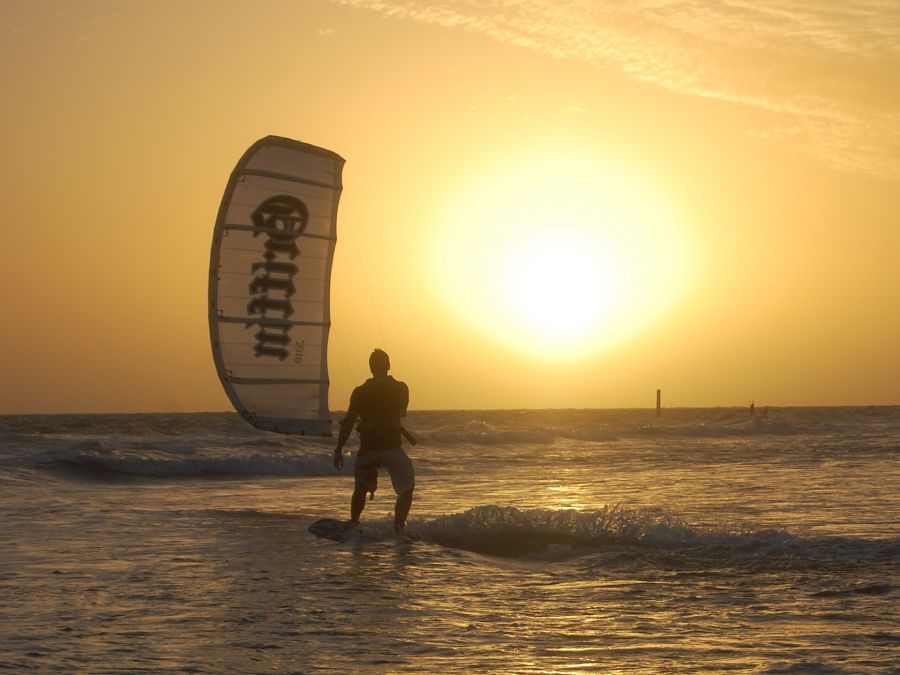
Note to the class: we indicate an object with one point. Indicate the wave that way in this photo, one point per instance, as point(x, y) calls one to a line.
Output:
point(110, 465)
point(169, 424)
point(541, 436)
point(453, 429)
point(753, 427)
point(881, 588)
point(548, 427)
point(489, 437)
point(624, 534)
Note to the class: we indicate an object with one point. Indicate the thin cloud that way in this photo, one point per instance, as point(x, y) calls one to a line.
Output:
point(829, 69)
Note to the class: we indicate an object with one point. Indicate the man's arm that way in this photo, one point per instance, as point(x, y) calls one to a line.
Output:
point(404, 398)
point(344, 434)
point(404, 404)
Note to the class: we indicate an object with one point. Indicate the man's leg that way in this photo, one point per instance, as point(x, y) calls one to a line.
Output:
point(401, 509)
point(365, 480)
point(403, 479)
point(357, 503)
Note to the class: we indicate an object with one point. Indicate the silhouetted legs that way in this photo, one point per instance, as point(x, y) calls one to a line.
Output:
point(357, 503)
point(401, 507)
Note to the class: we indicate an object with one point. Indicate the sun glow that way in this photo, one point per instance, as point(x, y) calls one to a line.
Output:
point(559, 257)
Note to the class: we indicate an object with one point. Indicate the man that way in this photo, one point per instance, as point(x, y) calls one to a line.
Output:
point(378, 403)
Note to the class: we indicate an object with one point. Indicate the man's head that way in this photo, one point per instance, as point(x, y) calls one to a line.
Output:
point(379, 362)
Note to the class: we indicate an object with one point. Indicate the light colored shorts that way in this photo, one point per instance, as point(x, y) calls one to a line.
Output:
point(396, 461)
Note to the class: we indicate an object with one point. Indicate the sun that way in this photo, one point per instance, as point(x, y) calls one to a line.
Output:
point(559, 256)
point(557, 286)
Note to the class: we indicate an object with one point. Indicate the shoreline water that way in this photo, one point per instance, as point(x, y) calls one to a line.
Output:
point(551, 541)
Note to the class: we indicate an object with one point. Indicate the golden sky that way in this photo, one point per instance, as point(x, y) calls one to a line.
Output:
point(545, 204)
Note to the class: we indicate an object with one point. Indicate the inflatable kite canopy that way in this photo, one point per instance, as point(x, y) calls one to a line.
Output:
point(269, 282)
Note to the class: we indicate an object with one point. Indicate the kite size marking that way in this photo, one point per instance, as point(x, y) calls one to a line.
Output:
point(299, 346)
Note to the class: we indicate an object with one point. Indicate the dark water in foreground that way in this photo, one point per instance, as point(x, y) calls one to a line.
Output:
point(551, 542)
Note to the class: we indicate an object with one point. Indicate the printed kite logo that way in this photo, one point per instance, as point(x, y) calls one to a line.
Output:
point(282, 218)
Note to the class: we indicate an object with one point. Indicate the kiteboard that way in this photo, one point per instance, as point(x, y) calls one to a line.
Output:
point(333, 529)
point(341, 531)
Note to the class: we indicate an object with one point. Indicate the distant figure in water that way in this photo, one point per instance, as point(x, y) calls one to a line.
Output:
point(378, 403)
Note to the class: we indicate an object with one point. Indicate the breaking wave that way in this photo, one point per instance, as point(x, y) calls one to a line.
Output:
point(623, 534)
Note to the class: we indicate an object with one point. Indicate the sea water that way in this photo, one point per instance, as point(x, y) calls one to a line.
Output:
point(571, 541)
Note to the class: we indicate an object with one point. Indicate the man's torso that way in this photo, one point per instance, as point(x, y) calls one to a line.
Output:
point(380, 403)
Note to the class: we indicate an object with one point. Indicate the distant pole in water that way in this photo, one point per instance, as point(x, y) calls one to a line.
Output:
point(658, 401)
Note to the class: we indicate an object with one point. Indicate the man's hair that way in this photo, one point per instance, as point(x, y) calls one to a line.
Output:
point(379, 360)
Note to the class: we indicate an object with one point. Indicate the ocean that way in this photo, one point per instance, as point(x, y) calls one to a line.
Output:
point(552, 541)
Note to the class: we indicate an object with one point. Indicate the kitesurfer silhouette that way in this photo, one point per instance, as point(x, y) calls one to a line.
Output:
point(379, 404)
